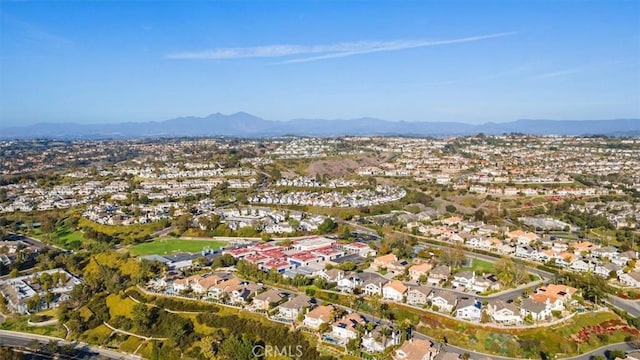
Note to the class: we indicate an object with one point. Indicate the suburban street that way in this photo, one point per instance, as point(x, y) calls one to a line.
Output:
point(630, 306)
point(32, 241)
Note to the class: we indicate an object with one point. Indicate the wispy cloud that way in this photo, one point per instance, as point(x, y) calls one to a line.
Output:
point(321, 52)
point(34, 33)
point(590, 67)
point(559, 73)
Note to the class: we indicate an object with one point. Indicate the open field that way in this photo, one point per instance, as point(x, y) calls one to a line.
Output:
point(171, 245)
point(98, 335)
point(480, 266)
point(131, 344)
point(16, 322)
point(62, 237)
point(119, 306)
point(126, 233)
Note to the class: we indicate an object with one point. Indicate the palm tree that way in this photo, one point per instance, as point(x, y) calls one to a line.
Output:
point(375, 305)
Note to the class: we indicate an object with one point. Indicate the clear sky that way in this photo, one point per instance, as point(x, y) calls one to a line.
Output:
point(469, 61)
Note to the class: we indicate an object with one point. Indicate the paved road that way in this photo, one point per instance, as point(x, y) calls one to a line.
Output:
point(163, 232)
point(541, 273)
point(630, 306)
point(444, 246)
point(32, 241)
point(602, 350)
point(83, 351)
point(360, 228)
point(503, 295)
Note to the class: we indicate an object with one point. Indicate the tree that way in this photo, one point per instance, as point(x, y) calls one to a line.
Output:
point(485, 317)
point(144, 316)
point(324, 328)
point(455, 257)
point(33, 304)
point(183, 222)
point(47, 225)
point(327, 226)
point(225, 260)
point(200, 261)
point(49, 297)
point(451, 208)
point(8, 353)
point(233, 348)
point(14, 273)
point(615, 354)
point(375, 305)
point(511, 273)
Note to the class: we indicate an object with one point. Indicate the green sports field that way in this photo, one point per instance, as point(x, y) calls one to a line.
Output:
point(170, 245)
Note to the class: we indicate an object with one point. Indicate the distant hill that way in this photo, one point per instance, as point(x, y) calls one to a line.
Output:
point(246, 125)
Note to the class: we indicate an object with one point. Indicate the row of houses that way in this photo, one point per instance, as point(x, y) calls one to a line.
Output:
point(269, 220)
point(356, 198)
point(580, 256)
point(287, 307)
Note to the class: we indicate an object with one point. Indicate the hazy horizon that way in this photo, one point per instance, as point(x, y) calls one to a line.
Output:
point(469, 62)
point(116, 121)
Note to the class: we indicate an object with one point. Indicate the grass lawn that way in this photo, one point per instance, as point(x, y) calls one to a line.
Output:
point(480, 266)
point(146, 350)
point(170, 245)
point(130, 345)
point(19, 323)
point(127, 233)
point(606, 236)
point(118, 306)
point(98, 335)
point(62, 237)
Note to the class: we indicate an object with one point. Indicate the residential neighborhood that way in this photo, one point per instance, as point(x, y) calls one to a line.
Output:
point(406, 257)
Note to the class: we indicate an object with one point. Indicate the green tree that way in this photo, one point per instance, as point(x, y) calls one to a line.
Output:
point(33, 303)
point(615, 354)
point(49, 297)
point(233, 348)
point(455, 257)
point(327, 226)
point(47, 225)
point(144, 317)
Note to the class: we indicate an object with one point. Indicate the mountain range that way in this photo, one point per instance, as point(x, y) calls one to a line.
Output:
point(246, 125)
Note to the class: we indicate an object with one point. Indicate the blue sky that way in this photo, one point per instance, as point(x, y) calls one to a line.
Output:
point(469, 61)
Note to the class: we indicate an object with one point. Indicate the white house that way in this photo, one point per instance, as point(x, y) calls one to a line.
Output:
point(630, 279)
point(469, 309)
point(538, 311)
point(580, 266)
point(346, 328)
point(318, 316)
point(504, 313)
point(464, 279)
point(394, 290)
point(444, 300)
point(374, 341)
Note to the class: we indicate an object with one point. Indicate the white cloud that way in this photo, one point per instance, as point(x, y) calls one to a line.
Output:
point(559, 73)
point(320, 52)
point(31, 32)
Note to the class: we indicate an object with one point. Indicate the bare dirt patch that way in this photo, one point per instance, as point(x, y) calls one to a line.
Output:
point(342, 167)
